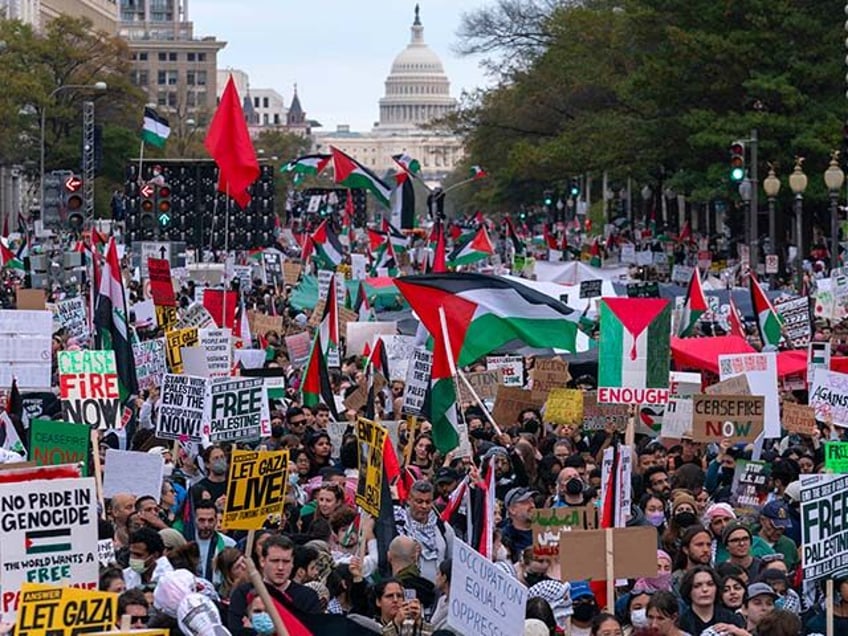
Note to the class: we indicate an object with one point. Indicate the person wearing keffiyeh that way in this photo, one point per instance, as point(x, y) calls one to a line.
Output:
point(419, 521)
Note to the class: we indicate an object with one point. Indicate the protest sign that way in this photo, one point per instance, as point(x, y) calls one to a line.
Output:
point(358, 334)
point(48, 610)
point(591, 288)
point(36, 404)
point(53, 442)
point(547, 374)
point(236, 409)
point(628, 254)
point(29, 298)
point(72, 317)
point(133, 472)
point(564, 406)
point(547, 523)
point(623, 481)
point(829, 396)
point(49, 535)
point(818, 357)
point(681, 274)
point(25, 348)
point(596, 415)
point(166, 317)
point(677, 418)
point(511, 366)
point(798, 418)
point(761, 371)
point(648, 289)
point(734, 385)
point(291, 272)
point(272, 267)
point(175, 340)
point(261, 324)
point(583, 554)
point(836, 457)
point(194, 361)
point(146, 314)
point(739, 418)
point(297, 347)
point(359, 397)
point(249, 358)
point(484, 598)
point(196, 316)
point(417, 381)
point(161, 283)
point(106, 552)
point(181, 408)
point(88, 385)
point(398, 352)
point(484, 383)
point(749, 490)
point(216, 347)
point(256, 488)
point(370, 437)
point(150, 362)
point(824, 535)
point(796, 320)
point(509, 403)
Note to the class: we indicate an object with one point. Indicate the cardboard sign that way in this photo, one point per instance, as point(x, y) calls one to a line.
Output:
point(181, 408)
point(583, 553)
point(297, 347)
point(547, 374)
point(71, 315)
point(53, 442)
point(236, 410)
point(509, 403)
point(370, 437)
point(485, 384)
point(836, 457)
point(749, 490)
point(549, 522)
point(174, 342)
point(150, 362)
point(48, 610)
point(798, 418)
point(829, 396)
point(216, 347)
point(681, 274)
point(596, 415)
point(29, 298)
point(591, 288)
point(735, 385)
point(823, 537)
point(484, 598)
point(739, 418)
point(564, 406)
point(261, 324)
point(49, 536)
point(511, 366)
point(256, 489)
point(761, 371)
point(291, 272)
point(358, 398)
point(132, 472)
point(417, 381)
point(161, 283)
point(88, 385)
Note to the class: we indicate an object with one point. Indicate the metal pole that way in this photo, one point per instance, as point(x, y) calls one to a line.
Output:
point(834, 230)
point(772, 237)
point(41, 180)
point(755, 184)
point(799, 238)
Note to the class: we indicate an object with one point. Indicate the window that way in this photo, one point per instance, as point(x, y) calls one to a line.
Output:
point(190, 78)
point(162, 98)
point(173, 77)
point(163, 57)
point(276, 119)
point(172, 99)
point(172, 57)
point(256, 102)
point(201, 78)
point(161, 78)
point(143, 79)
point(264, 102)
point(190, 57)
point(201, 57)
point(265, 120)
point(191, 99)
point(142, 57)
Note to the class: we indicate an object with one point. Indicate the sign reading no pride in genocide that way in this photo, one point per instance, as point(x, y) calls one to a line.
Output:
point(256, 489)
point(88, 384)
point(181, 408)
point(824, 527)
point(237, 409)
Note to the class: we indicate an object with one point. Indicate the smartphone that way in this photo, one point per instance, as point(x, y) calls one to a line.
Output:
point(408, 595)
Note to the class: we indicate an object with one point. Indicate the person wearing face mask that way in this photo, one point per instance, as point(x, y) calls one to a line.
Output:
point(635, 616)
point(683, 516)
point(570, 489)
point(584, 608)
point(257, 617)
point(654, 510)
point(215, 482)
point(147, 560)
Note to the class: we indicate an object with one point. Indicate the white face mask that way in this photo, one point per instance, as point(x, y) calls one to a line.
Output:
point(502, 554)
point(639, 618)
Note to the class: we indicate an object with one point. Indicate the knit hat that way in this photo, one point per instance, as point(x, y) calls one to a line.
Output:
point(733, 527)
point(682, 498)
point(718, 510)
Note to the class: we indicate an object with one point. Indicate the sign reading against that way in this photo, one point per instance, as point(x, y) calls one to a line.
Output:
point(596, 415)
point(564, 406)
point(829, 396)
point(88, 385)
point(836, 457)
point(484, 598)
point(417, 381)
point(53, 442)
point(549, 522)
point(181, 408)
point(739, 418)
point(371, 436)
point(256, 489)
point(150, 362)
point(511, 366)
point(824, 536)
point(799, 418)
point(175, 340)
point(49, 536)
point(760, 369)
point(236, 409)
point(48, 610)
point(216, 345)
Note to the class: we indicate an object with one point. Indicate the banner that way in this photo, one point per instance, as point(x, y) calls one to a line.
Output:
point(547, 523)
point(48, 610)
point(174, 341)
point(740, 418)
point(417, 381)
point(181, 408)
point(824, 536)
point(161, 282)
point(88, 385)
point(236, 410)
point(216, 345)
point(564, 406)
point(256, 489)
point(49, 536)
point(760, 369)
point(512, 367)
point(71, 316)
point(829, 396)
point(53, 442)
point(150, 362)
point(370, 437)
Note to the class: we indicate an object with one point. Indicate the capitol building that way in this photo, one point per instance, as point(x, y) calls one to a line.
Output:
point(417, 93)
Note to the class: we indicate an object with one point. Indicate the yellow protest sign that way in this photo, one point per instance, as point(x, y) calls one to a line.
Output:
point(174, 340)
point(564, 406)
point(256, 488)
point(166, 317)
point(63, 611)
point(371, 437)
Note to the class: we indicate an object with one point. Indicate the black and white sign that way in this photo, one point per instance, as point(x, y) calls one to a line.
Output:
point(181, 408)
point(591, 288)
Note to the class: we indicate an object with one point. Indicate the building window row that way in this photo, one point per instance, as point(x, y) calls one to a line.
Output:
point(162, 56)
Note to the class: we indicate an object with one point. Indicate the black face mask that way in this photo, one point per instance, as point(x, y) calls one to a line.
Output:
point(277, 431)
point(532, 578)
point(584, 612)
point(685, 519)
point(726, 476)
point(574, 486)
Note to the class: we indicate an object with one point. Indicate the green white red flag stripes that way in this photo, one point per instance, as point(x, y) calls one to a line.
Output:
point(694, 306)
point(352, 174)
point(737, 327)
point(8, 257)
point(315, 386)
point(328, 329)
point(328, 247)
point(769, 322)
point(307, 164)
point(473, 250)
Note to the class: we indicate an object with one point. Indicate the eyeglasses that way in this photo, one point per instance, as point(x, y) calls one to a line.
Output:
point(140, 620)
point(297, 423)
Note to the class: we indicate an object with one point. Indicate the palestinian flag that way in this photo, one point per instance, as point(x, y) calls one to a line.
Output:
point(441, 400)
point(634, 344)
point(378, 358)
point(439, 264)
point(512, 237)
point(307, 165)
point(155, 129)
point(47, 541)
point(769, 321)
point(9, 258)
point(477, 172)
point(403, 202)
point(328, 248)
point(352, 174)
point(328, 329)
point(480, 503)
point(110, 322)
point(362, 307)
point(694, 307)
point(385, 258)
point(734, 320)
point(376, 239)
point(408, 164)
point(307, 249)
point(476, 249)
point(595, 259)
point(315, 385)
point(398, 239)
point(550, 239)
point(454, 501)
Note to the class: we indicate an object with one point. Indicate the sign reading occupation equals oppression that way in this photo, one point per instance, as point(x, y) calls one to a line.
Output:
point(88, 385)
point(633, 357)
point(237, 410)
point(256, 489)
point(181, 408)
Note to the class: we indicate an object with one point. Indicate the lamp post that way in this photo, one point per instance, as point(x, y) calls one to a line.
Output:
point(97, 86)
point(771, 186)
point(798, 184)
point(833, 179)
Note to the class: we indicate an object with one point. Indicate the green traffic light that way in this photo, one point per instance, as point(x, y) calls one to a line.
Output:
point(548, 201)
point(737, 174)
point(164, 219)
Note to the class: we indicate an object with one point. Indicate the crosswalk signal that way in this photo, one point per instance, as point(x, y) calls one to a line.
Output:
point(737, 161)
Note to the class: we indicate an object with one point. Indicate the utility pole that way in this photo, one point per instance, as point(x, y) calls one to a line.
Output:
point(755, 187)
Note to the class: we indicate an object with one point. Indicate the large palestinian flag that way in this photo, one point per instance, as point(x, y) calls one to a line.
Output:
point(352, 174)
point(694, 307)
point(327, 246)
point(478, 247)
point(315, 385)
point(634, 344)
point(307, 164)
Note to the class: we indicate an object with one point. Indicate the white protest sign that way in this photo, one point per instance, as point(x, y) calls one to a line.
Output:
point(181, 408)
point(236, 410)
point(26, 349)
point(196, 316)
point(417, 381)
point(484, 598)
point(511, 366)
point(358, 266)
point(150, 362)
point(628, 254)
point(761, 371)
point(194, 361)
point(88, 385)
point(829, 396)
point(132, 472)
point(250, 358)
point(824, 536)
point(399, 352)
point(73, 318)
point(216, 345)
point(360, 333)
point(677, 418)
point(145, 314)
point(106, 552)
point(49, 536)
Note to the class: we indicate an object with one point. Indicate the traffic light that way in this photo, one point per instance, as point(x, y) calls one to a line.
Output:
point(74, 204)
point(549, 198)
point(54, 188)
point(163, 206)
point(737, 161)
point(574, 189)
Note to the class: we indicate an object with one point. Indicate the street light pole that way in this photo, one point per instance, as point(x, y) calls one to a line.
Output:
point(798, 184)
point(771, 186)
point(833, 179)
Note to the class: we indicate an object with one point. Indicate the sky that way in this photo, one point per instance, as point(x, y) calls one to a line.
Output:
point(338, 51)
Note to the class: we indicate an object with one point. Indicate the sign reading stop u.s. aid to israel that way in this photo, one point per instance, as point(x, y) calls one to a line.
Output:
point(634, 350)
point(49, 530)
point(88, 386)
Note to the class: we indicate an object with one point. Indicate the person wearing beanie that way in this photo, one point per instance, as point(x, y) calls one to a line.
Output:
point(683, 516)
point(737, 539)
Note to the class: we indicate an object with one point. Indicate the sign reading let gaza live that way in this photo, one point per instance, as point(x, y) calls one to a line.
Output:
point(88, 385)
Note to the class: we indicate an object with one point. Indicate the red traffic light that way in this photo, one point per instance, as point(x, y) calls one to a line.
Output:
point(164, 191)
point(74, 202)
point(737, 149)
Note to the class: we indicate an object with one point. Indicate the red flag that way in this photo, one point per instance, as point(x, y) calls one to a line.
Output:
point(228, 141)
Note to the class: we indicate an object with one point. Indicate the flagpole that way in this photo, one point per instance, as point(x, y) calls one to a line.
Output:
point(462, 429)
point(226, 256)
point(479, 402)
point(141, 161)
